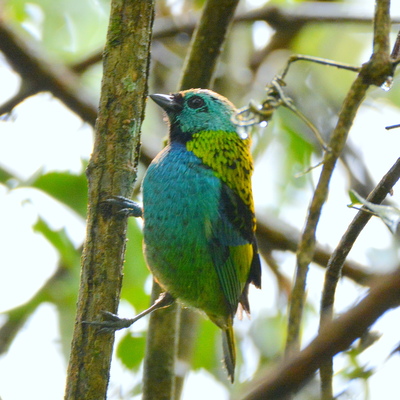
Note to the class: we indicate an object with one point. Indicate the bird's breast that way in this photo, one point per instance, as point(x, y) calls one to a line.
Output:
point(180, 199)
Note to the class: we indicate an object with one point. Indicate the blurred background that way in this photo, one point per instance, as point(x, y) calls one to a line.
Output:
point(50, 73)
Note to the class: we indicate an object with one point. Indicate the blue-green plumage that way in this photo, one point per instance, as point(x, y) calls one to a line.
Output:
point(180, 203)
point(198, 211)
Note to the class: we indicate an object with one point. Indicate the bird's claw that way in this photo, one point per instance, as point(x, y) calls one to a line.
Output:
point(111, 323)
point(127, 207)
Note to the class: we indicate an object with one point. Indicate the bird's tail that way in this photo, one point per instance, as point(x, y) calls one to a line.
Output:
point(229, 349)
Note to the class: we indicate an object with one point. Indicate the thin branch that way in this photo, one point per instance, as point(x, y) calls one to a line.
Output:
point(188, 334)
point(43, 77)
point(336, 336)
point(206, 45)
point(40, 75)
point(337, 260)
point(282, 20)
point(24, 92)
point(395, 54)
point(17, 317)
point(308, 241)
point(376, 72)
point(161, 350)
point(274, 234)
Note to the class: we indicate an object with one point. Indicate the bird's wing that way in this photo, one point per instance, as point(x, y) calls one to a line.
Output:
point(233, 248)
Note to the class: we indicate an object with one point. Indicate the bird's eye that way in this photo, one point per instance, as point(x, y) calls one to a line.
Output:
point(195, 102)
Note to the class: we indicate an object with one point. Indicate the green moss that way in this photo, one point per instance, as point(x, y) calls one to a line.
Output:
point(129, 84)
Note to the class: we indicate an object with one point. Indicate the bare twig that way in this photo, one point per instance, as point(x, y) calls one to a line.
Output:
point(336, 336)
point(40, 75)
point(161, 350)
point(17, 317)
point(336, 263)
point(307, 244)
point(39, 79)
point(286, 22)
point(207, 43)
point(273, 234)
point(395, 54)
point(374, 72)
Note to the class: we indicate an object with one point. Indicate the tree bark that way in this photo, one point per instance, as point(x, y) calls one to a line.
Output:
point(111, 171)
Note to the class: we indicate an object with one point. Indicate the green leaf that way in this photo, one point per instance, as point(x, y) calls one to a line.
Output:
point(360, 372)
point(130, 350)
point(354, 198)
point(60, 289)
point(135, 269)
point(208, 347)
point(67, 188)
point(388, 214)
point(69, 256)
point(5, 175)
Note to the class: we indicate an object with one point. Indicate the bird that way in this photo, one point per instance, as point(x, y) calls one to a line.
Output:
point(198, 212)
point(198, 215)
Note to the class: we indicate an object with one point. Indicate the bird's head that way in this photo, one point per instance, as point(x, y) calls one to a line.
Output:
point(195, 110)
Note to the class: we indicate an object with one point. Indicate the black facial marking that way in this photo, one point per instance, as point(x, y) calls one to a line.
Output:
point(176, 135)
point(178, 98)
point(175, 132)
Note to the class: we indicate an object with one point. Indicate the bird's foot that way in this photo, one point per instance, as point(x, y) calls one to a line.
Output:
point(114, 323)
point(111, 322)
point(126, 207)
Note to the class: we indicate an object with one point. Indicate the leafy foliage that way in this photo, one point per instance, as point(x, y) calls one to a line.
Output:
point(68, 31)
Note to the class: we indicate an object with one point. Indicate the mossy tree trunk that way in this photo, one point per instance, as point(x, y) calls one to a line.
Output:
point(111, 171)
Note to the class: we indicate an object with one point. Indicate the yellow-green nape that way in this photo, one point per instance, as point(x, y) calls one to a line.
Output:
point(229, 157)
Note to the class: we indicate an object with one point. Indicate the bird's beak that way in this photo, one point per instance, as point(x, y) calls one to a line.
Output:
point(167, 102)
